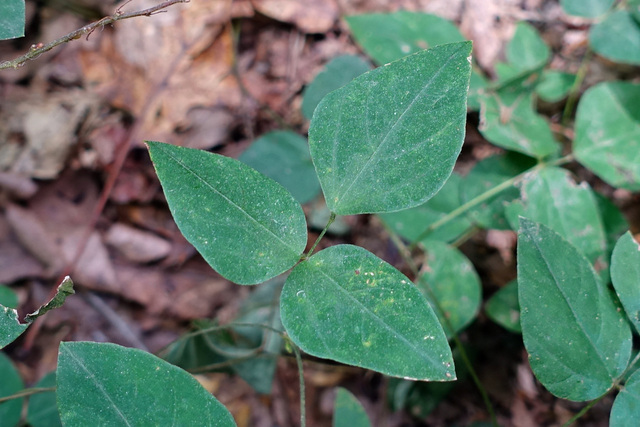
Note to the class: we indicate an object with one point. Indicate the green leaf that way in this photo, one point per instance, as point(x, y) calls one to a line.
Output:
point(504, 309)
point(634, 9)
point(11, 383)
point(578, 342)
point(337, 73)
point(526, 50)
point(511, 122)
point(284, 157)
point(348, 305)
point(551, 197)
point(245, 225)
point(487, 174)
point(10, 326)
point(613, 221)
point(586, 8)
point(412, 223)
point(12, 18)
point(477, 85)
point(389, 139)
point(608, 133)
point(387, 37)
point(454, 282)
point(113, 385)
point(64, 290)
point(617, 38)
point(554, 85)
point(43, 407)
point(8, 297)
point(348, 412)
point(625, 275)
point(626, 408)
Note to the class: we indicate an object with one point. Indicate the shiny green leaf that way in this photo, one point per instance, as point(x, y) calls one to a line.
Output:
point(389, 139)
point(504, 309)
point(111, 385)
point(11, 383)
point(554, 85)
point(578, 342)
point(10, 326)
point(626, 408)
point(586, 8)
point(8, 297)
point(348, 305)
point(386, 37)
point(337, 73)
point(487, 174)
point(617, 38)
point(608, 133)
point(625, 275)
point(245, 225)
point(553, 198)
point(348, 412)
point(43, 407)
point(526, 50)
point(12, 18)
point(284, 157)
point(412, 223)
point(511, 122)
point(454, 283)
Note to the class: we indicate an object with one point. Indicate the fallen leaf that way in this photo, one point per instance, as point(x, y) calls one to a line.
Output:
point(310, 16)
point(137, 245)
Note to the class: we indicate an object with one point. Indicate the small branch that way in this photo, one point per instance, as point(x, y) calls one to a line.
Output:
point(26, 392)
point(38, 49)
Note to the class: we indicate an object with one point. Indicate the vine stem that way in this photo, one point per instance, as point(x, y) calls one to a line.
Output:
point(462, 209)
point(574, 93)
point(27, 392)
point(332, 218)
point(303, 410)
point(38, 49)
point(405, 252)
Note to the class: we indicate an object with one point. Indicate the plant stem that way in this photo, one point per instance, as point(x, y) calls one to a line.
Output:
point(462, 209)
point(583, 411)
point(303, 411)
point(574, 93)
point(38, 49)
point(27, 392)
point(332, 218)
point(405, 252)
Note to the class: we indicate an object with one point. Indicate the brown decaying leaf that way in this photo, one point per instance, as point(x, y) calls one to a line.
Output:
point(137, 245)
point(310, 16)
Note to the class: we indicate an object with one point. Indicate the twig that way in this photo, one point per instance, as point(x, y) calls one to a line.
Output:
point(38, 49)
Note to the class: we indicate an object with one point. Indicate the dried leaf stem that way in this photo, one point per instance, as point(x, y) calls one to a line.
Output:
point(38, 49)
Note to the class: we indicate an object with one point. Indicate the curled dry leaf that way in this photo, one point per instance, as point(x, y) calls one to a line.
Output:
point(310, 16)
point(162, 67)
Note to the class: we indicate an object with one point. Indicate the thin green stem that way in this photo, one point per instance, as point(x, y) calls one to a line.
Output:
point(332, 218)
point(462, 209)
point(405, 252)
point(27, 392)
point(303, 410)
point(574, 93)
point(583, 411)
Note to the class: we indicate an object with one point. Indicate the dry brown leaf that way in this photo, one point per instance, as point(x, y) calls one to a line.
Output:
point(137, 245)
point(310, 16)
point(163, 66)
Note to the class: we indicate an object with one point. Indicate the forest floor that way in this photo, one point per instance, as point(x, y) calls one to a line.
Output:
point(79, 196)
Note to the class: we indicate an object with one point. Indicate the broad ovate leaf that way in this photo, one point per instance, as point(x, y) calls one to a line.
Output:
point(625, 275)
point(348, 305)
point(552, 197)
point(510, 121)
point(388, 140)
point(245, 225)
point(337, 73)
point(527, 51)
point(43, 407)
point(504, 309)
point(412, 224)
point(626, 408)
point(617, 38)
point(12, 18)
point(10, 326)
point(608, 133)
point(386, 37)
point(586, 8)
point(10, 383)
point(578, 341)
point(106, 384)
point(348, 411)
point(554, 85)
point(454, 283)
point(284, 157)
